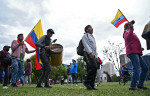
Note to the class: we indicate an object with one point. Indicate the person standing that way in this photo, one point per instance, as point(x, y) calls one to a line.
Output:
point(99, 64)
point(28, 72)
point(44, 43)
point(69, 77)
point(18, 48)
point(90, 57)
point(73, 71)
point(134, 52)
point(5, 61)
point(62, 80)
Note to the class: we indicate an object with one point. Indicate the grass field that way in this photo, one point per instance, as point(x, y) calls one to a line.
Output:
point(106, 89)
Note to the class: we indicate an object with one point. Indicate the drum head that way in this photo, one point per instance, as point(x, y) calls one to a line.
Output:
point(56, 48)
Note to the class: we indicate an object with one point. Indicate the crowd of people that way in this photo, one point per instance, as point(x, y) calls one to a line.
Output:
point(90, 56)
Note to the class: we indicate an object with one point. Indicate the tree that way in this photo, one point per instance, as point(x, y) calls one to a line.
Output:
point(115, 78)
point(112, 53)
point(81, 69)
point(57, 72)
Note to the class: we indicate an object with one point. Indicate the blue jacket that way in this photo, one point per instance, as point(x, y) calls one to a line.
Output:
point(124, 71)
point(73, 68)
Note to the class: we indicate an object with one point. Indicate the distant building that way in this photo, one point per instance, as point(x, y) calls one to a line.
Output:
point(107, 72)
point(109, 68)
point(124, 59)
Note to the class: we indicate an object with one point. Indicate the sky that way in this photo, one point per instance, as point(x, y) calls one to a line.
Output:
point(68, 19)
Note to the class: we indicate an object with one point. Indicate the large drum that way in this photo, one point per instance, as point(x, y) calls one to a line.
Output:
point(56, 56)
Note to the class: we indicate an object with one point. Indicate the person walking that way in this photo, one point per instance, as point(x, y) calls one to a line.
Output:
point(44, 43)
point(134, 52)
point(90, 57)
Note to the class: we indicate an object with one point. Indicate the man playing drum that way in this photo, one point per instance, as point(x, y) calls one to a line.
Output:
point(44, 43)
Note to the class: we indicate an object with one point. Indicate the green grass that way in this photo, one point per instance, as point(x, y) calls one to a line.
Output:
point(106, 89)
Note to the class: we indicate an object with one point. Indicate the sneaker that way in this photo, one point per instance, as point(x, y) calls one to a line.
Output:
point(142, 87)
point(39, 86)
point(76, 84)
point(5, 87)
point(94, 89)
point(98, 84)
point(48, 86)
point(14, 85)
point(133, 89)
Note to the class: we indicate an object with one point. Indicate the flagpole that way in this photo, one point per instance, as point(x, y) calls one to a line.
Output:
point(123, 15)
point(31, 30)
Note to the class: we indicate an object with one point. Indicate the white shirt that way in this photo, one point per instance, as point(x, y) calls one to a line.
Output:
point(89, 44)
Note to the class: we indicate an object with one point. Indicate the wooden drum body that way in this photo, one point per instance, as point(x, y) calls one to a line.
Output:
point(56, 54)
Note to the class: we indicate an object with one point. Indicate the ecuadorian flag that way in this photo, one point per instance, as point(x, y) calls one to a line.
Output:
point(119, 19)
point(32, 38)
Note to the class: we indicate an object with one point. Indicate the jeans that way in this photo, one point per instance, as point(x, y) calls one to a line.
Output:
point(22, 80)
point(28, 79)
point(17, 70)
point(74, 77)
point(69, 78)
point(98, 76)
point(137, 62)
point(5, 69)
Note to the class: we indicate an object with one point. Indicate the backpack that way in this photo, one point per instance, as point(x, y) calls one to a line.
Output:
point(80, 48)
point(5, 58)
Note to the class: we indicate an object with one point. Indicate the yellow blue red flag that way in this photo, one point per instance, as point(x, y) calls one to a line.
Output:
point(32, 38)
point(119, 19)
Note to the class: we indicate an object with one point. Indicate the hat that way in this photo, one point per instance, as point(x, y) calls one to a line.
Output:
point(50, 31)
point(132, 22)
point(28, 60)
point(6, 46)
point(123, 65)
point(73, 60)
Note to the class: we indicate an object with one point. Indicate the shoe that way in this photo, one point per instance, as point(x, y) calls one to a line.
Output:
point(5, 87)
point(133, 89)
point(142, 87)
point(87, 86)
point(39, 86)
point(14, 85)
point(76, 84)
point(98, 84)
point(94, 89)
point(48, 86)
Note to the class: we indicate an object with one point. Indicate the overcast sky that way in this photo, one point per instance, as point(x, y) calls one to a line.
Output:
point(68, 19)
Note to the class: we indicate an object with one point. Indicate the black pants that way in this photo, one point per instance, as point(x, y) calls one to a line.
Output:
point(62, 82)
point(91, 70)
point(74, 78)
point(46, 68)
point(5, 69)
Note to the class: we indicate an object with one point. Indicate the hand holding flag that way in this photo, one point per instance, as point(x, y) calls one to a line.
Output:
point(119, 19)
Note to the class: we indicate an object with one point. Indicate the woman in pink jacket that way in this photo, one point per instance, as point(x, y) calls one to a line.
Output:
point(134, 52)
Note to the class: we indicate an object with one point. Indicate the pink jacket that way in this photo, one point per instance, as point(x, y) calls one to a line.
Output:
point(17, 49)
point(132, 43)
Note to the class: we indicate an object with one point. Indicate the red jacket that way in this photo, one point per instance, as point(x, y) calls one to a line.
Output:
point(132, 43)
